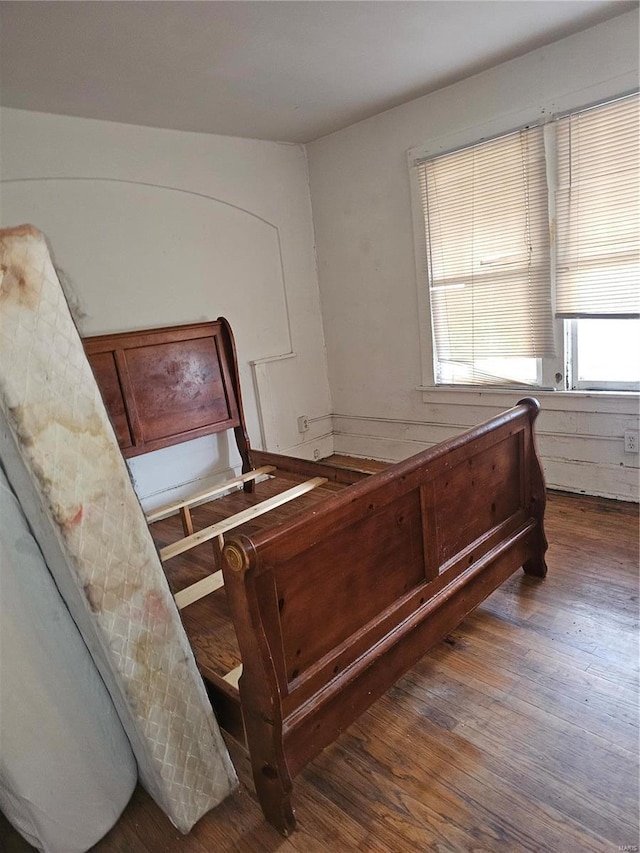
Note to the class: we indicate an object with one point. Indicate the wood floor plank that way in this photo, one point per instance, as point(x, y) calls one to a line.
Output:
point(481, 804)
point(552, 749)
point(526, 789)
point(561, 689)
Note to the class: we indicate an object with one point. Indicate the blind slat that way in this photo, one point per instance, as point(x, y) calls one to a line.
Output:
point(486, 217)
point(598, 211)
point(487, 229)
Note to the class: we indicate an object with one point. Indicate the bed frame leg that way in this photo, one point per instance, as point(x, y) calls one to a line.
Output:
point(259, 689)
point(274, 795)
point(537, 567)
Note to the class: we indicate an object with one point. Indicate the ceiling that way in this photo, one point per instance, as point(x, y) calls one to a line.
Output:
point(290, 71)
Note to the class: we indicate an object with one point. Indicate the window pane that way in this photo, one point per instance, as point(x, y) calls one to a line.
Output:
point(608, 350)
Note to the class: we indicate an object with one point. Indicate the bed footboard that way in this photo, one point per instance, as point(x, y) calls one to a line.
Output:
point(333, 607)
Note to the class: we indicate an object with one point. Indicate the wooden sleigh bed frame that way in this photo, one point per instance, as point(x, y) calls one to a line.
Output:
point(336, 581)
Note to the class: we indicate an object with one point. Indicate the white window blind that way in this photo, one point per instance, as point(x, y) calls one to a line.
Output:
point(597, 209)
point(487, 238)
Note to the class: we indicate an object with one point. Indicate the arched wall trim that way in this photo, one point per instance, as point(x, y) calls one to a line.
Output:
point(196, 194)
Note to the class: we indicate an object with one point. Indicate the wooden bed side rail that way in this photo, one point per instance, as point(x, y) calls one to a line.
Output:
point(307, 468)
point(331, 609)
point(226, 704)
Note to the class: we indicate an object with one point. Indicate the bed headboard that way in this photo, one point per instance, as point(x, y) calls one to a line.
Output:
point(169, 385)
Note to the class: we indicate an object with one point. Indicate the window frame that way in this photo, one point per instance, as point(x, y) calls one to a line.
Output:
point(554, 373)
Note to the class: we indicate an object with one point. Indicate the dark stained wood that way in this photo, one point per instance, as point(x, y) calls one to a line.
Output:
point(106, 373)
point(312, 727)
point(352, 463)
point(347, 582)
point(489, 494)
point(326, 468)
point(173, 384)
point(259, 692)
point(333, 606)
point(224, 700)
point(335, 600)
point(229, 363)
point(518, 732)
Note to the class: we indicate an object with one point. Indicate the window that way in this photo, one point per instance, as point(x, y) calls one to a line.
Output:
point(603, 354)
point(531, 231)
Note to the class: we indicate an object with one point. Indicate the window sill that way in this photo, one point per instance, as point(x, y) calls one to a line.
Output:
point(576, 401)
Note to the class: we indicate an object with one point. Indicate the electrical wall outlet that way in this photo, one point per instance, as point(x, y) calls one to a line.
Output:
point(630, 441)
point(303, 423)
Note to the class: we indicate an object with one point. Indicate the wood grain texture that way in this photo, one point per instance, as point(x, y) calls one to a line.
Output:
point(519, 732)
point(332, 606)
point(168, 385)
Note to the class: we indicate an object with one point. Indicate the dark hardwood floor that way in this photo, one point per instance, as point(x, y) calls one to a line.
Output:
point(519, 732)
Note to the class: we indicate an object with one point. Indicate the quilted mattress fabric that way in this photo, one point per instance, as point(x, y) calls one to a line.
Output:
point(62, 459)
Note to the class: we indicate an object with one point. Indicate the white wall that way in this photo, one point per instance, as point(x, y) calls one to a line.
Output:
point(156, 227)
point(361, 203)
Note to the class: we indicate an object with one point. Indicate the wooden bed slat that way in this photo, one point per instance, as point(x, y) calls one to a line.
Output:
point(233, 677)
point(239, 518)
point(198, 590)
point(187, 522)
point(169, 509)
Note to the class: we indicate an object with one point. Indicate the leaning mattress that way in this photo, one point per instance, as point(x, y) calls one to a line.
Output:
point(62, 459)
